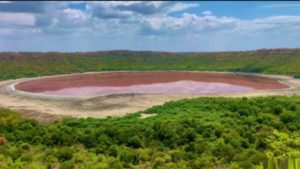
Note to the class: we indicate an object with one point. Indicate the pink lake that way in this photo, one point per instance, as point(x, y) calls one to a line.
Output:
point(182, 86)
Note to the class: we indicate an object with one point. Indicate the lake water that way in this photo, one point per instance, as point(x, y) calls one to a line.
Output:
point(183, 87)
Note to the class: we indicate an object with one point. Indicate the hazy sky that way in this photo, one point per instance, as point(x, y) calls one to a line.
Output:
point(162, 26)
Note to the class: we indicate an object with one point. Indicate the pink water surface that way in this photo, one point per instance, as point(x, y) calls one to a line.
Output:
point(184, 86)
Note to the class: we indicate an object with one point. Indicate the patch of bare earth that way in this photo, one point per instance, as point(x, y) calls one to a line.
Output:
point(40, 116)
point(143, 115)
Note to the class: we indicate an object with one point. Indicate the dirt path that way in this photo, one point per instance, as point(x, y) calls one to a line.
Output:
point(51, 108)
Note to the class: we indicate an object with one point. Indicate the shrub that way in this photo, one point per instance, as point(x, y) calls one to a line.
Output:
point(64, 153)
point(135, 142)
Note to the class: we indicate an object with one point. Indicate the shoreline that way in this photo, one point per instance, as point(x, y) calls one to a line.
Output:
point(117, 104)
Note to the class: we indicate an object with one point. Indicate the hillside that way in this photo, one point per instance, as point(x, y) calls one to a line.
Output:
point(201, 133)
point(27, 64)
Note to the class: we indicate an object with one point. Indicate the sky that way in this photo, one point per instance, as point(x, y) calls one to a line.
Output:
point(152, 26)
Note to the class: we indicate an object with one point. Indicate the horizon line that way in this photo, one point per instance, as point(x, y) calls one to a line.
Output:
point(155, 51)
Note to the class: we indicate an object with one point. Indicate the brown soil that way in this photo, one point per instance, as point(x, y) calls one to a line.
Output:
point(40, 116)
point(134, 78)
point(2, 140)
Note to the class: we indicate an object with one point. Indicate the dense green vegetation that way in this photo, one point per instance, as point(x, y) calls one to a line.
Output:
point(202, 133)
point(275, 61)
point(195, 133)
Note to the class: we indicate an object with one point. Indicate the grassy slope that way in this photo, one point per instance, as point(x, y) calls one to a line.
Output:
point(279, 61)
point(196, 133)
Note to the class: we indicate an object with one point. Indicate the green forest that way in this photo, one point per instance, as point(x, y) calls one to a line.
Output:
point(26, 64)
point(201, 133)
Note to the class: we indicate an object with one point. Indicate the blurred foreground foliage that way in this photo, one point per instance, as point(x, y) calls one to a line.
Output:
point(202, 133)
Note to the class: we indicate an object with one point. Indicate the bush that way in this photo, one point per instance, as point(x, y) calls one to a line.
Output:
point(278, 109)
point(288, 117)
point(64, 154)
point(135, 142)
